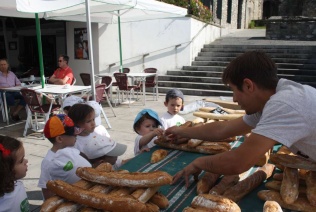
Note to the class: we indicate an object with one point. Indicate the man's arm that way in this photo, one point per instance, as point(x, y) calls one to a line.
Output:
point(57, 81)
point(212, 131)
point(232, 162)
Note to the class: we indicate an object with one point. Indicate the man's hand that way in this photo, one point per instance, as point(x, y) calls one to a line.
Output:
point(158, 132)
point(172, 133)
point(186, 172)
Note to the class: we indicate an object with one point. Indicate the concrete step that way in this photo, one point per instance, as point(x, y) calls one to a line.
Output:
point(194, 85)
point(198, 92)
point(295, 61)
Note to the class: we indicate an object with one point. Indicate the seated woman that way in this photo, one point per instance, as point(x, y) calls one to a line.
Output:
point(9, 79)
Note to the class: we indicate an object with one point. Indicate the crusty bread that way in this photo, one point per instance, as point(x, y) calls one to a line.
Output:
point(311, 188)
point(160, 200)
point(93, 199)
point(158, 155)
point(293, 161)
point(301, 204)
point(206, 182)
point(289, 186)
point(217, 116)
point(226, 182)
point(245, 186)
point(272, 206)
point(276, 185)
point(214, 203)
point(136, 179)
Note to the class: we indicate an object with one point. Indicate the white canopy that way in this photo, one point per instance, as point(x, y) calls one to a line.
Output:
point(101, 11)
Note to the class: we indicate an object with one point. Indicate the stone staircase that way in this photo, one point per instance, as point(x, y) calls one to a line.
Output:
point(295, 60)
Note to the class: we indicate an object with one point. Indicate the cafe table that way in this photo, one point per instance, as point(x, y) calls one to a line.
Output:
point(178, 195)
point(63, 90)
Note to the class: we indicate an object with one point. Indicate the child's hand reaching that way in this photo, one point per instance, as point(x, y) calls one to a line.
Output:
point(158, 132)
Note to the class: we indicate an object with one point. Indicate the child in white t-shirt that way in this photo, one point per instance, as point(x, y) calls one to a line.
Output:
point(85, 119)
point(174, 103)
point(12, 192)
point(60, 131)
point(146, 125)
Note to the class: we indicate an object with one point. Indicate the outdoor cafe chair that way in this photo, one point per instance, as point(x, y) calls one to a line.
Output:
point(35, 108)
point(101, 95)
point(86, 78)
point(151, 81)
point(122, 84)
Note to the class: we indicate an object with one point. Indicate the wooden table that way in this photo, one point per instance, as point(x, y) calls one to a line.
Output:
point(179, 197)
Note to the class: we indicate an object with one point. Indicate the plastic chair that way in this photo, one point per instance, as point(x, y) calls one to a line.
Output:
point(35, 107)
point(122, 83)
point(125, 71)
point(101, 95)
point(86, 78)
point(73, 81)
point(151, 81)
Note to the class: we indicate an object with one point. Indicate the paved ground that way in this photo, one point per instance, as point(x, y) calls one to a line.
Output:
point(36, 147)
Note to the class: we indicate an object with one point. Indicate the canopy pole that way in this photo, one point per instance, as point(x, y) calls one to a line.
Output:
point(39, 49)
point(90, 49)
point(120, 41)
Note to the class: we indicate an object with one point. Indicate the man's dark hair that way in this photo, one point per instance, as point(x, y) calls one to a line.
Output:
point(254, 65)
point(65, 57)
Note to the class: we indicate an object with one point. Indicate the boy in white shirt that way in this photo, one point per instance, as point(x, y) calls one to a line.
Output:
point(60, 131)
point(174, 103)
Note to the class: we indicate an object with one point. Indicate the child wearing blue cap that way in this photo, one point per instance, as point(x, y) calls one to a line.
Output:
point(174, 103)
point(146, 125)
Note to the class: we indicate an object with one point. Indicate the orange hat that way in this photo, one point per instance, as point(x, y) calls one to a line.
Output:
point(59, 124)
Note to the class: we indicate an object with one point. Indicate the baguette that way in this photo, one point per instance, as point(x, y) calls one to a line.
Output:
point(194, 142)
point(68, 206)
point(293, 161)
point(214, 203)
point(198, 120)
point(150, 207)
point(189, 209)
point(230, 111)
point(136, 180)
point(158, 155)
point(160, 200)
point(226, 182)
point(245, 186)
point(52, 203)
point(222, 144)
point(200, 149)
point(311, 187)
point(94, 200)
point(272, 206)
point(276, 185)
point(148, 193)
point(289, 185)
point(206, 182)
point(301, 204)
point(217, 116)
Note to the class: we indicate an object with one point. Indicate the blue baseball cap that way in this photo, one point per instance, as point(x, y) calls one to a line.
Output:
point(150, 112)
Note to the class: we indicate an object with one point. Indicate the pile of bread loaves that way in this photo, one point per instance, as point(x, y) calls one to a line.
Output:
point(295, 188)
point(104, 189)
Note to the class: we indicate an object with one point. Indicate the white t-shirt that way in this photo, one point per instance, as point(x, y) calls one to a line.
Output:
point(149, 145)
point(65, 163)
point(45, 176)
point(167, 120)
point(81, 140)
point(289, 117)
point(16, 200)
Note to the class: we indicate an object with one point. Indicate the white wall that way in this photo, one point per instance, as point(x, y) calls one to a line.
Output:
point(158, 38)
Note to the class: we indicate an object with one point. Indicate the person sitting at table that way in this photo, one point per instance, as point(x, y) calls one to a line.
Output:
point(174, 103)
point(9, 79)
point(63, 74)
point(146, 125)
point(277, 111)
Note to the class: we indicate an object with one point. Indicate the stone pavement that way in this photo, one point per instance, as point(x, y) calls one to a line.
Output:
point(122, 131)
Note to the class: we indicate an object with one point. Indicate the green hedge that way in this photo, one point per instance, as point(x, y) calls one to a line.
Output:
point(195, 7)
